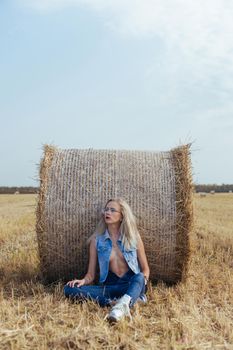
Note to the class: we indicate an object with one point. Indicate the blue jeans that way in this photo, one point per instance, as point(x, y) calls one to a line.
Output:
point(114, 287)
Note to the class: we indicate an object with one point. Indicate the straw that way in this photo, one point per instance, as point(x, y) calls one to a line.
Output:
point(76, 183)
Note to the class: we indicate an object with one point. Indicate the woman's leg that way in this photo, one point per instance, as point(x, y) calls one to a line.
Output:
point(136, 287)
point(131, 284)
point(103, 294)
point(131, 290)
point(92, 292)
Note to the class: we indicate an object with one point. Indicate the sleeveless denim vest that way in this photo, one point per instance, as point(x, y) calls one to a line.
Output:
point(104, 249)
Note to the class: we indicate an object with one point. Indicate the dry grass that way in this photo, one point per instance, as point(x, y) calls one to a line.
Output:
point(195, 315)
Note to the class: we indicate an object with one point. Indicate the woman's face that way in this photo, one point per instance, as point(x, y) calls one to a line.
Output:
point(112, 213)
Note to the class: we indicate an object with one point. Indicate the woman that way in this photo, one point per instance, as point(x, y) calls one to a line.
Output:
point(124, 270)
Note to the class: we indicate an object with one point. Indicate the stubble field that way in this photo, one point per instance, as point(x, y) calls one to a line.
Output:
point(194, 315)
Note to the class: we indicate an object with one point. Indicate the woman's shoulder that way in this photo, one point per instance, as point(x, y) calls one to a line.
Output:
point(100, 237)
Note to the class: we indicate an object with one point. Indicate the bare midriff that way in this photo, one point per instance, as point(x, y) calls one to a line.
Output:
point(117, 263)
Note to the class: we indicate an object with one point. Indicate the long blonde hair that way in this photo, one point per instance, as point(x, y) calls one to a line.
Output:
point(128, 229)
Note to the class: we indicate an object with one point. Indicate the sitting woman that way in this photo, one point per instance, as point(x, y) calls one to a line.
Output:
point(124, 270)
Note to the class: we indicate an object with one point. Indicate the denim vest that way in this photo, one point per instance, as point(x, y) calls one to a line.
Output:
point(104, 249)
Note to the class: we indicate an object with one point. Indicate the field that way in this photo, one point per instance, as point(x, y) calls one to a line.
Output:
point(194, 315)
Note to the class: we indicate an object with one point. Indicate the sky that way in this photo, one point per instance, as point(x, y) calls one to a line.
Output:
point(120, 74)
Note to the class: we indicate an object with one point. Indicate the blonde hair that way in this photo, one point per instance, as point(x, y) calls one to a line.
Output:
point(128, 229)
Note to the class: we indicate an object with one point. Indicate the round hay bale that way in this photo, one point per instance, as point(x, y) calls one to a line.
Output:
point(76, 183)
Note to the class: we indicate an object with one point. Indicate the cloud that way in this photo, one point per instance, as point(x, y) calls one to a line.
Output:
point(197, 35)
point(219, 119)
point(193, 25)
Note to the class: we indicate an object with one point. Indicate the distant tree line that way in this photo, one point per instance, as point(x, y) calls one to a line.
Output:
point(198, 188)
point(23, 190)
point(214, 187)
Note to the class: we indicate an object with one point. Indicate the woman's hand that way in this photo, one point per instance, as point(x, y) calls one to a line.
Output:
point(78, 283)
point(146, 279)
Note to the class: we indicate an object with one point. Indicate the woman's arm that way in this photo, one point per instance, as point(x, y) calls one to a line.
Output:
point(142, 259)
point(90, 275)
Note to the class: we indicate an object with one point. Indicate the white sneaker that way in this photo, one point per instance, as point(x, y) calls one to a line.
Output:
point(120, 310)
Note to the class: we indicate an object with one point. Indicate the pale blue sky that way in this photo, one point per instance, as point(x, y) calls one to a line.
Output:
point(139, 74)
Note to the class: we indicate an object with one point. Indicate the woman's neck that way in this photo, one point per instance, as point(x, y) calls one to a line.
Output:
point(114, 231)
